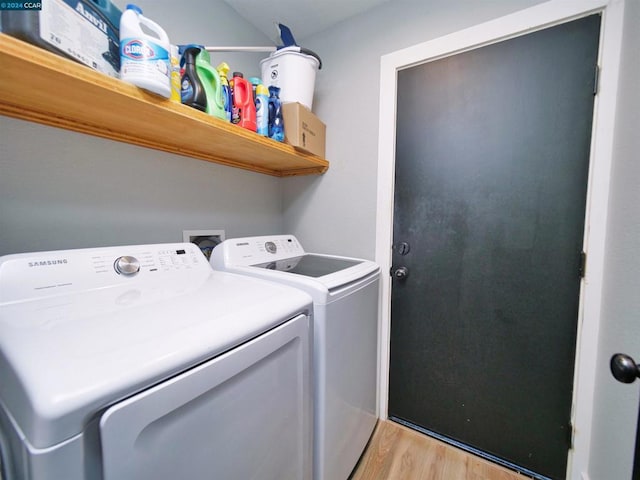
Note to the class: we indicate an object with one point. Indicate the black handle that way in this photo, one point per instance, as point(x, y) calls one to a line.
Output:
point(624, 368)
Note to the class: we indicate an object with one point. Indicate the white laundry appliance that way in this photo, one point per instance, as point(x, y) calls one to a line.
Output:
point(141, 362)
point(345, 338)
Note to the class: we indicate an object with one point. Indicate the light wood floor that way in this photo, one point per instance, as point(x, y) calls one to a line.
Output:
point(399, 453)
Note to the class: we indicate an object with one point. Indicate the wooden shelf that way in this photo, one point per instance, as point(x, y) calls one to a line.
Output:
point(42, 87)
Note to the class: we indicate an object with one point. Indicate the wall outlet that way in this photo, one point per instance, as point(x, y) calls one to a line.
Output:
point(206, 240)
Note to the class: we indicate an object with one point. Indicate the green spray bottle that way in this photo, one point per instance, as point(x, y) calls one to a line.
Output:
point(210, 79)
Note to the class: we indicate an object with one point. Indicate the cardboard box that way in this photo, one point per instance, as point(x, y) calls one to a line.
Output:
point(87, 31)
point(302, 129)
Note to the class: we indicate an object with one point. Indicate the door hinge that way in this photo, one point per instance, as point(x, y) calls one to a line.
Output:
point(583, 265)
point(570, 436)
point(596, 80)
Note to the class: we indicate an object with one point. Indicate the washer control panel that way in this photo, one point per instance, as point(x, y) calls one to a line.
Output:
point(252, 250)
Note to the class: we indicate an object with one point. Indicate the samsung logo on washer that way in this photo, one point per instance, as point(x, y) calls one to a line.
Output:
point(48, 263)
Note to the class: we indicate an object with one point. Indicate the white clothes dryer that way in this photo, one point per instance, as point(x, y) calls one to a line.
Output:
point(140, 363)
point(345, 338)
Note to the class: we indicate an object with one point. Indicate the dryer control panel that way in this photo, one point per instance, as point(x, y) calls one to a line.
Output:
point(28, 276)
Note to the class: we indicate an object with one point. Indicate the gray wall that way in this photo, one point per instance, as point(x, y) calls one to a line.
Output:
point(336, 213)
point(616, 404)
point(60, 189)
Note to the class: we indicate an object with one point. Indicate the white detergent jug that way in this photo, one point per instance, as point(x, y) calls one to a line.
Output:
point(145, 60)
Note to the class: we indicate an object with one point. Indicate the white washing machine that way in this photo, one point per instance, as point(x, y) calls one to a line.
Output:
point(141, 363)
point(345, 338)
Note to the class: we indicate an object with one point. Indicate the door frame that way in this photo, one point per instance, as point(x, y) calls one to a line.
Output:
point(525, 21)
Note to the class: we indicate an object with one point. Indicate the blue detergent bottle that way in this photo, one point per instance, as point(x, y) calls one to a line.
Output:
point(276, 122)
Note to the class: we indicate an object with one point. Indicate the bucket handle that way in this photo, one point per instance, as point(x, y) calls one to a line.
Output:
point(311, 53)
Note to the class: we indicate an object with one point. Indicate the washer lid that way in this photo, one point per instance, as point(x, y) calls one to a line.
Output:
point(65, 357)
point(282, 259)
point(310, 265)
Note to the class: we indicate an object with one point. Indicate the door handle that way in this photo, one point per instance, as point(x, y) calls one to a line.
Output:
point(400, 273)
point(624, 368)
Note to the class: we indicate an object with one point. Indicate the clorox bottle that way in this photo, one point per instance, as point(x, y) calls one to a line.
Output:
point(144, 59)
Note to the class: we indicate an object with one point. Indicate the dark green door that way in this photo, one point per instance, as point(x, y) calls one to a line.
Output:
point(492, 160)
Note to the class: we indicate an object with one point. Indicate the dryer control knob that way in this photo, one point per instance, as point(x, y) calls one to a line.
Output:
point(271, 247)
point(127, 265)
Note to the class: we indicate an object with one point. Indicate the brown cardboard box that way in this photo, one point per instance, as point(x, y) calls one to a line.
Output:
point(302, 129)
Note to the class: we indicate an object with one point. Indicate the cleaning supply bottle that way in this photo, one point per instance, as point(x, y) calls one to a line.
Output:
point(243, 101)
point(175, 74)
point(223, 71)
point(210, 79)
point(276, 123)
point(255, 81)
point(192, 92)
point(262, 110)
point(144, 59)
point(235, 113)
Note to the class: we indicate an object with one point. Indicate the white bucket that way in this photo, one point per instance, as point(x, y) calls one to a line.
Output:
point(294, 72)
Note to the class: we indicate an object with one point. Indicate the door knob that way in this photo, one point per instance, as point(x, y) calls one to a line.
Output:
point(400, 273)
point(624, 368)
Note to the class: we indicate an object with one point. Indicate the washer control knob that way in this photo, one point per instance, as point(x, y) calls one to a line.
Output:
point(271, 247)
point(126, 265)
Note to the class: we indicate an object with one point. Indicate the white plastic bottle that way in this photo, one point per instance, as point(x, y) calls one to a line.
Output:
point(262, 110)
point(145, 60)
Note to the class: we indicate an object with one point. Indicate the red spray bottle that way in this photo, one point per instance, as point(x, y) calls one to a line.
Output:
point(243, 101)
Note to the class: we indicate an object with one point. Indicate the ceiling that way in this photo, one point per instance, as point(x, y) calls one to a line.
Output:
point(303, 17)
